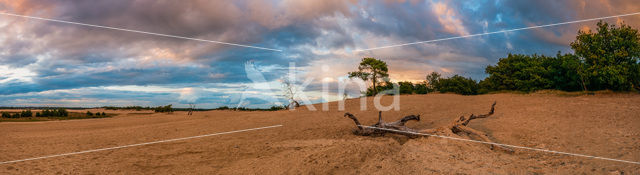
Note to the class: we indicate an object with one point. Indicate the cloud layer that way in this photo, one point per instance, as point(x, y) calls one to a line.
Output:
point(47, 63)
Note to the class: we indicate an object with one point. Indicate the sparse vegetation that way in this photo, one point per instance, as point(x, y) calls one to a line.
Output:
point(49, 114)
point(223, 108)
point(6, 115)
point(137, 108)
point(272, 108)
point(167, 109)
point(24, 113)
point(60, 112)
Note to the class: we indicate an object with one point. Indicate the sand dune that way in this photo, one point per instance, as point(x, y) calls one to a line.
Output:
point(320, 142)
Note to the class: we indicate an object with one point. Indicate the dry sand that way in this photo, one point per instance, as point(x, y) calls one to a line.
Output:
point(317, 142)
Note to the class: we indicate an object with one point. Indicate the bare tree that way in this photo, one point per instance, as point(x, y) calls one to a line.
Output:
point(290, 92)
point(191, 107)
point(458, 126)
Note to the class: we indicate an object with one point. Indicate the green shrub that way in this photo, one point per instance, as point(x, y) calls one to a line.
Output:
point(610, 57)
point(406, 87)
point(381, 88)
point(6, 115)
point(164, 109)
point(458, 84)
point(432, 81)
point(421, 88)
point(276, 108)
point(223, 108)
point(60, 112)
point(26, 113)
point(518, 72)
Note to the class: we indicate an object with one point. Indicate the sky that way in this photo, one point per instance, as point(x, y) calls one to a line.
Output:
point(44, 63)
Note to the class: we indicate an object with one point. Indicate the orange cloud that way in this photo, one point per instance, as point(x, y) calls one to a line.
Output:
point(448, 19)
point(24, 7)
point(585, 29)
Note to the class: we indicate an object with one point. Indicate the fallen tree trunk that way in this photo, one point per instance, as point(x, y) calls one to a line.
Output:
point(457, 127)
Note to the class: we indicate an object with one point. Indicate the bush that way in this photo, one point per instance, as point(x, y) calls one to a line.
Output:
point(104, 114)
point(276, 108)
point(610, 57)
point(6, 115)
point(60, 112)
point(458, 84)
point(432, 81)
point(223, 108)
point(518, 72)
point(421, 88)
point(26, 113)
point(89, 113)
point(164, 109)
point(381, 88)
point(406, 87)
point(563, 72)
point(137, 108)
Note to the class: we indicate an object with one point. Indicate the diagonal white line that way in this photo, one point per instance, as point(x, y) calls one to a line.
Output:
point(139, 144)
point(137, 31)
point(502, 31)
point(506, 145)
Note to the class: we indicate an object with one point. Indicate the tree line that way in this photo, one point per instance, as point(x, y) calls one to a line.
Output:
point(607, 59)
point(24, 113)
point(59, 112)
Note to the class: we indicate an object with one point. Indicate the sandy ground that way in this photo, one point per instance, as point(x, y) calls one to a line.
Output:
point(321, 142)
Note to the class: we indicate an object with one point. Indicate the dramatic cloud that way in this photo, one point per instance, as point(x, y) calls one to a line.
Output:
point(55, 64)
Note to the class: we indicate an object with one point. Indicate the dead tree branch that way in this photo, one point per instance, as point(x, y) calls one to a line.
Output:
point(457, 127)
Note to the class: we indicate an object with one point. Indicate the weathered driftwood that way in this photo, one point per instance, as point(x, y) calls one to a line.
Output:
point(458, 126)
